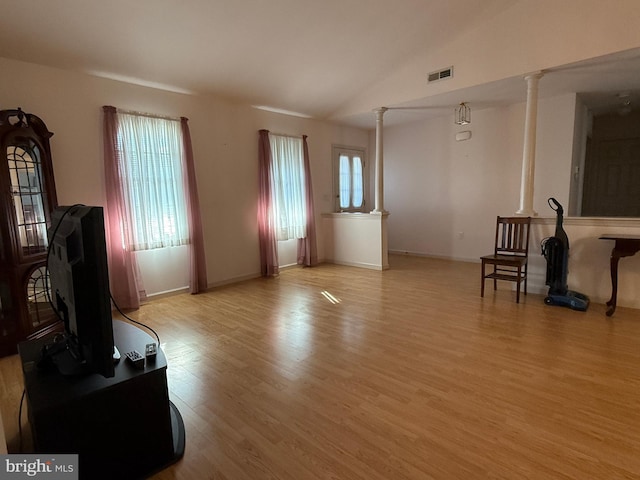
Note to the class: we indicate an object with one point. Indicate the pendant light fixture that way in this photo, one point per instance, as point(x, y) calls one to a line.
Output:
point(463, 114)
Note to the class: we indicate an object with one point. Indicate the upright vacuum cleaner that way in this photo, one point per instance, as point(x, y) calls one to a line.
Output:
point(556, 251)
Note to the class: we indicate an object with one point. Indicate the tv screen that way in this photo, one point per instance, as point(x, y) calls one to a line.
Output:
point(79, 280)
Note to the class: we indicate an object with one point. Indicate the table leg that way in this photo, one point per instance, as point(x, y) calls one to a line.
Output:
point(615, 259)
point(624, 247)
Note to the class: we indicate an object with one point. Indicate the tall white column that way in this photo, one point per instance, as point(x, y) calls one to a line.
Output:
point(529, 150)
point(379, 200)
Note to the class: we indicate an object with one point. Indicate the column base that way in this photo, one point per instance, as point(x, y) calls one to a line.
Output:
point(527, 213)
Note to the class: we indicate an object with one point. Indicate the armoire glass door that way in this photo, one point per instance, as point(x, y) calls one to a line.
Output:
point(27, 190)
point(26, 200)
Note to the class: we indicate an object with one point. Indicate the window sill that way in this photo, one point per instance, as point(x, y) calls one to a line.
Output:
point(358, 215)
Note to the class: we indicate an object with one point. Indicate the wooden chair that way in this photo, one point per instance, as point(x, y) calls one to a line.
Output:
point(510, 255)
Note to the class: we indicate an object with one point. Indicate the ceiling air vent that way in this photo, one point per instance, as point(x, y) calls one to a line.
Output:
point(441, 74)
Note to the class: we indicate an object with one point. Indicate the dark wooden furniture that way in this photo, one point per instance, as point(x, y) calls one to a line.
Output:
point(625, 246)
point(510, 254)
point(121, 427)
point(27, 198)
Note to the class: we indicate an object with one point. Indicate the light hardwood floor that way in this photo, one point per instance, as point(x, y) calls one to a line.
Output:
point(406, 374)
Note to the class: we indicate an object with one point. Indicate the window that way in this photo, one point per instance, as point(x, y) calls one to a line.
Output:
point(349, 179)
point(151, 172)
point(288, 189)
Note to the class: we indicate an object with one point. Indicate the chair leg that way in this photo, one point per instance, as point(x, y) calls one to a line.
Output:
point(518, 286)
point(482, 280)
point(495, 281)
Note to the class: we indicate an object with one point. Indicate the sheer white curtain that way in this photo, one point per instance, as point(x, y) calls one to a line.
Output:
point(288, 187)
point(345, 181)
point(151, 173)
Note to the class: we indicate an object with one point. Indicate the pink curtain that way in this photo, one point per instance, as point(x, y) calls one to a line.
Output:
point(124, 278)
point(198, 265)
point(266, 226)
point(307, 248)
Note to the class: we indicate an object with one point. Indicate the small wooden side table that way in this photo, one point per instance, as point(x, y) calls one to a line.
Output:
point(625, 246)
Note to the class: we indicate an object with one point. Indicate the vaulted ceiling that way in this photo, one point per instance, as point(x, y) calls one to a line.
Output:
point(304, 56)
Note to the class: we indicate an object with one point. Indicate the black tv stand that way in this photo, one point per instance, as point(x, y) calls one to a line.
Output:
point(121, 427)
point(64, 354)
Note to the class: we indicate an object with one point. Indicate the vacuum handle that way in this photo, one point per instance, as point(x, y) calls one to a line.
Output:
point(558, 207)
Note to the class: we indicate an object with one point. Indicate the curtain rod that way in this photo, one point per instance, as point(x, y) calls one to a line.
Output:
point(150, 115)
point(286, 135)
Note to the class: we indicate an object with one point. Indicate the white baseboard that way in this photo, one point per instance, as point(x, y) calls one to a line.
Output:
point(429, 255)
point(168, 293)
point(229, 281)
point(369, 266)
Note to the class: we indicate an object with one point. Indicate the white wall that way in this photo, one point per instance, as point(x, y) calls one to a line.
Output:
point(356, 239)
point(225, 145)
point(443, 196)
point(435, 188)
point(164, 270)
point(529, 36)
point(441, 193)
point(287, 252)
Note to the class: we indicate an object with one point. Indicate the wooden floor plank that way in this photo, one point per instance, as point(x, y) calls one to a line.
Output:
point(343, 373)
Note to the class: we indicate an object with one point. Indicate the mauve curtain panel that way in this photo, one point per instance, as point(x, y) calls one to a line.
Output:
point(198, 264)
point(307, 247)
point(266, 227)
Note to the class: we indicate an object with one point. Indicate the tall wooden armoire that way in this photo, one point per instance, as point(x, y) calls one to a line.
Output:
point(27, 197)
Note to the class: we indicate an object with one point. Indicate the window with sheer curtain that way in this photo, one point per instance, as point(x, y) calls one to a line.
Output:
point(150, 160)
point(351, 184)
point(288, 189)
point(349, 179)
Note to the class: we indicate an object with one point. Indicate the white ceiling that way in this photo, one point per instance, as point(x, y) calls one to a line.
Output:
point(602, 83)
point(297, 55)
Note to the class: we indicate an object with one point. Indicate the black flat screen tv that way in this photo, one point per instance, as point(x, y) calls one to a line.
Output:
point(79, 291)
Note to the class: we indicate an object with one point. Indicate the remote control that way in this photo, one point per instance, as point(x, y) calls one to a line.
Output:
point(135, 359)
point(150, 351)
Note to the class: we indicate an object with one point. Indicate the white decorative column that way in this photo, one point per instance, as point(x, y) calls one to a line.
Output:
point(379, 200)
point(529, 150)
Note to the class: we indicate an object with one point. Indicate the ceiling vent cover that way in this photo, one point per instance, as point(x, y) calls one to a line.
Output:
point(441, 74)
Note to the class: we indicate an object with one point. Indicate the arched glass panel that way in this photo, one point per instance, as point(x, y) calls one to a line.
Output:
point(40, 311)
point(25, 175)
